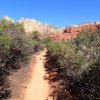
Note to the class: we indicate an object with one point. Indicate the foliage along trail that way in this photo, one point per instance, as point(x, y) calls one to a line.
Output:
point(38, 88)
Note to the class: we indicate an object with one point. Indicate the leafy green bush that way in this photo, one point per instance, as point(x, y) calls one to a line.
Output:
point(74, 65)
point(15, 50)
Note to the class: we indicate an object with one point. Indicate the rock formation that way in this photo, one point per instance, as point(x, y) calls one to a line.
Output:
point(56, 33)
point(71, 31)
point(8, 18)
point(31, 25)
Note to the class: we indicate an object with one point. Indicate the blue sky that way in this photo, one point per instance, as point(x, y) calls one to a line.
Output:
point(55, 12)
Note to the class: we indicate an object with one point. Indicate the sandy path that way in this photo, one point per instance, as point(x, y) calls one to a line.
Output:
point(38, 88)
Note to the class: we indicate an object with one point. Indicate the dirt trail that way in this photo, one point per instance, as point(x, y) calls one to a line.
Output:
point(38, 88)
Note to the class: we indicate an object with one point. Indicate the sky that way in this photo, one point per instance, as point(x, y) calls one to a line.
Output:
point(55, 12)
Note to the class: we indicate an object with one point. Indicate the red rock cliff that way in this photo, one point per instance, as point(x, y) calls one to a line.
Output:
point(71, 31)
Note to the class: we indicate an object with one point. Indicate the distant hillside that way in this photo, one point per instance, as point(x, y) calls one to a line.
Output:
point(31, 25)
point(8, 18)
point(71, 31)
point(56, 33)
point(34, 25)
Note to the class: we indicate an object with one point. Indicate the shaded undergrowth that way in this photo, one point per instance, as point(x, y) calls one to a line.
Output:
point(15, 50)
point(74, 67)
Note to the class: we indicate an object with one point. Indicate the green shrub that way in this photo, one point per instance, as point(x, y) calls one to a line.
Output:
point(76, 64)
point(15, 50)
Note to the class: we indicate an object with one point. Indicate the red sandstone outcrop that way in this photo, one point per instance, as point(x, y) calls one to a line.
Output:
point(56, 33)
point(78, 28)
point(71, 31)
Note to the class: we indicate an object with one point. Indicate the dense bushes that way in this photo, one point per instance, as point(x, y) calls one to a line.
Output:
point(74, 67)
point(15, 50)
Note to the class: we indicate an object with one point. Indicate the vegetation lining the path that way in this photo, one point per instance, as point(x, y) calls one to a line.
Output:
point(15, 50)
point(74, 67)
